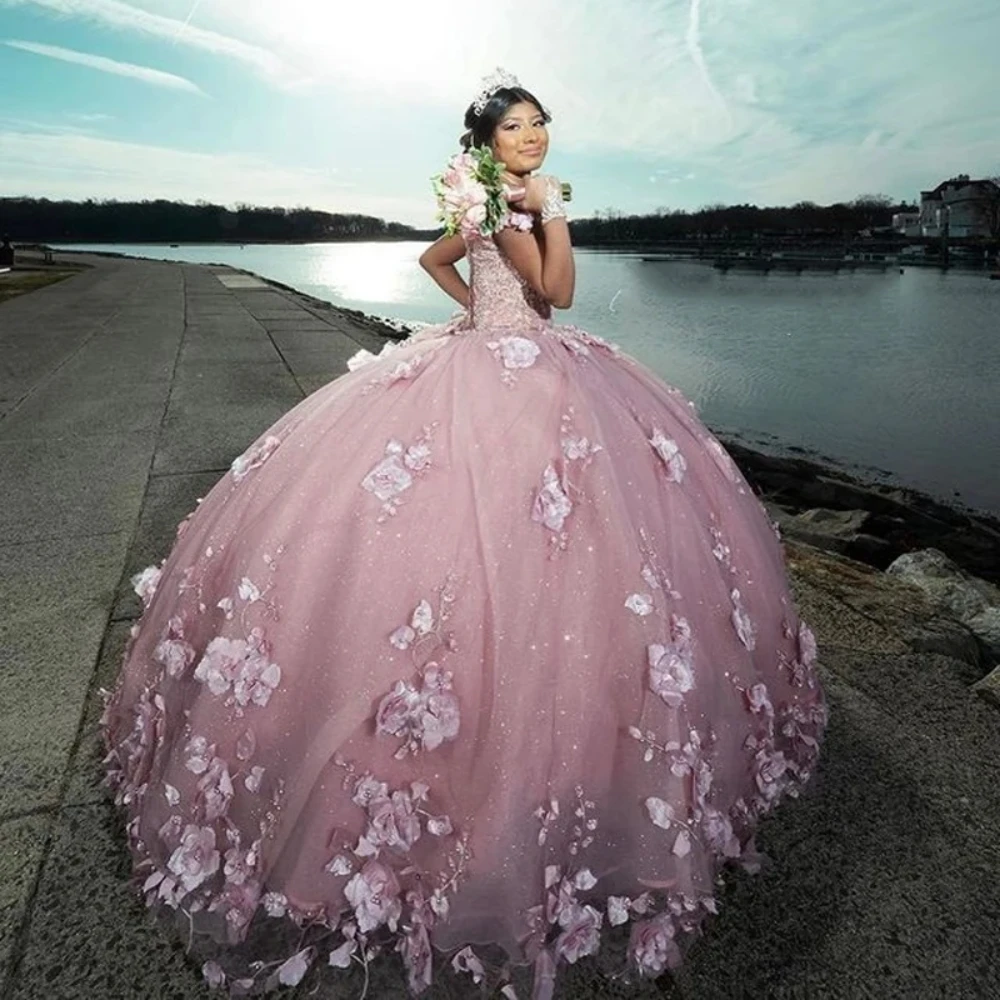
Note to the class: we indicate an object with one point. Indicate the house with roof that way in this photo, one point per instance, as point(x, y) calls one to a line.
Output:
point(961, 207)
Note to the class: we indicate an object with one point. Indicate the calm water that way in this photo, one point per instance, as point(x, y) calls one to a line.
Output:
point(893, 375)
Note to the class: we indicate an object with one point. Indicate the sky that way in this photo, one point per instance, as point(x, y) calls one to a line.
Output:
point(351, 107)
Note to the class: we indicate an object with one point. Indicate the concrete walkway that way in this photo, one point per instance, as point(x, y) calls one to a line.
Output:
point(125, 393)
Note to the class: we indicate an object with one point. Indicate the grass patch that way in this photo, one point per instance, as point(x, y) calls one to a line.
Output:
point(17, 283)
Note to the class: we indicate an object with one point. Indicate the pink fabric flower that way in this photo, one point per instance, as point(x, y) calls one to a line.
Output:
point(394, 822)
point(221, 663)
point(424, 719)
point(275, 904)
point(374, 894)
point(254, 457)
point(439, 719)
point(741, 621)
point(515, 352)
point(670, 453)
point(771, 768)
point(618, 907)
point(213, 974)
point(758, 700)
point(552, 506)
point(198, 755)
point(396, 709)
point(652, 946)
point(660, 812)
point(388, 478)
point(196, 859)
point(257, 679)
point(145, 583)
point(292, 971)
point(340, 957)
point(719, 835)
point(367, 790)
point(466, 961)
point(671, 666)
point(582, 934)
point(216, 787)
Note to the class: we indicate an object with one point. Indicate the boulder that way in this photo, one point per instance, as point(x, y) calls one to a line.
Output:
point(989, 687)
point(954, 592)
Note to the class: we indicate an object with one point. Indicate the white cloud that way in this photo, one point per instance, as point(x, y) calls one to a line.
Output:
point(122, 16)
point(68, 164)
point(144, 73)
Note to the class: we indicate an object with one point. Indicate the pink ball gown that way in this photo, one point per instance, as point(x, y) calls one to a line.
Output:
point(484, 648)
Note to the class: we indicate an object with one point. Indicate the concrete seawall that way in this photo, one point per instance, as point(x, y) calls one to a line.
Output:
point(125, 393)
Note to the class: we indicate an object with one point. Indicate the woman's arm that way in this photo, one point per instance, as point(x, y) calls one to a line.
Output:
point(543, 257)
point(439, 259)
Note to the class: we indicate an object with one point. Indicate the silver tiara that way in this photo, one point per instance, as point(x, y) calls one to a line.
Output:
point(497, 80)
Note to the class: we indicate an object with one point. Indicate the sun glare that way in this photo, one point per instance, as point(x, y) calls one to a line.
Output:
point(387, 44)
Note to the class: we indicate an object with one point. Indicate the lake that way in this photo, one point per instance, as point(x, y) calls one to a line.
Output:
point(894, 376)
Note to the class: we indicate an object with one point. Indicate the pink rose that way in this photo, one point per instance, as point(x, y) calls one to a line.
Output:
point(196, 859)
point(652, 946)
point(582, 934)
point(394, 710)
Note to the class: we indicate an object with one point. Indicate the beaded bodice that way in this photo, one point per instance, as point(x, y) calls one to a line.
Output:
point(500, 297)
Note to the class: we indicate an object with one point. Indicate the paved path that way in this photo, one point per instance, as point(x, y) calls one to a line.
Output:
point(125, 393)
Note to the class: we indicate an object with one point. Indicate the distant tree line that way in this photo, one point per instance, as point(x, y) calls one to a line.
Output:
point(803, 221)
point(44, 221)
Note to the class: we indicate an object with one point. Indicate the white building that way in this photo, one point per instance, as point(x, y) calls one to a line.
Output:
point(965, 207)
point(907, 223)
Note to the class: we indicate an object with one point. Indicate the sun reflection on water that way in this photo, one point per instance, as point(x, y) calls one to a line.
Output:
point(368, 272)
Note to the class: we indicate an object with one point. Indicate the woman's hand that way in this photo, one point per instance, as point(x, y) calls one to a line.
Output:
point(528, 193)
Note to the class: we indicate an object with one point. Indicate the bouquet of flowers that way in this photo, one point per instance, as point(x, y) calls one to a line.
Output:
point(471, 197)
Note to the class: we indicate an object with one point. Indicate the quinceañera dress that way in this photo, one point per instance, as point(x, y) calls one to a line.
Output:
point(485, 648)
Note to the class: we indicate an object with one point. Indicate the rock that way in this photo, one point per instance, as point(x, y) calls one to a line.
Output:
point(833, 530)
point(989, 687)
point(953, 591)
point(986, 626)
point(856, 609)
point(899, 520)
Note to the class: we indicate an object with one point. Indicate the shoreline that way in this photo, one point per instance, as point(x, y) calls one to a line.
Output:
point(879, 520)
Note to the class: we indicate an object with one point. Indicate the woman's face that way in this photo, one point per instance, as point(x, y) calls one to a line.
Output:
point(521, 138)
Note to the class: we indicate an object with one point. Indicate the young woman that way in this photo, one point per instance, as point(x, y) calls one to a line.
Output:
point(484, 653)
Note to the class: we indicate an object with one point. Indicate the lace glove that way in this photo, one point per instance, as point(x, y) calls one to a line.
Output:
point(552, 206)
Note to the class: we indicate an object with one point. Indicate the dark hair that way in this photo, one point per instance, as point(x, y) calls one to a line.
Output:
point(480, 127)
